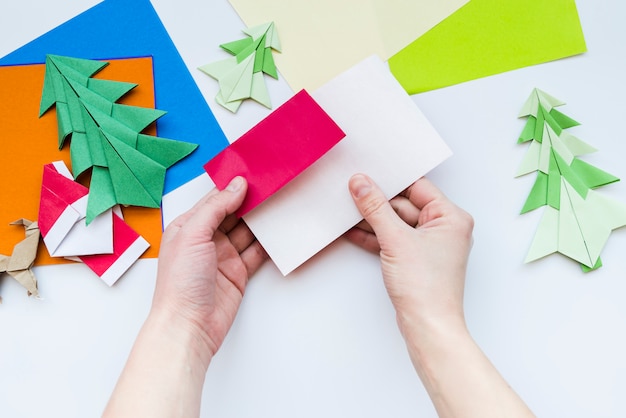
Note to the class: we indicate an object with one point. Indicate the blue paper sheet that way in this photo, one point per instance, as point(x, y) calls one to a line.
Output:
point(132, 28)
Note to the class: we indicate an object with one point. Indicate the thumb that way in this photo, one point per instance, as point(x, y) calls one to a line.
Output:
point(373, 205)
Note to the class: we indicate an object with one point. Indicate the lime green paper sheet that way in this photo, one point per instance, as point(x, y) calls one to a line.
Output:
point(487, 37)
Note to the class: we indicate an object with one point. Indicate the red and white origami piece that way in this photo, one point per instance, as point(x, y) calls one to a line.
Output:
point(108, 246)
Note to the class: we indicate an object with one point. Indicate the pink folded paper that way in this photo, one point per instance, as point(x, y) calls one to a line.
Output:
point(276, 150)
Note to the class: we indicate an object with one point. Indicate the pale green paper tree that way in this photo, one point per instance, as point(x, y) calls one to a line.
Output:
point(577, 220)
point(127, 167)
point(241, 77)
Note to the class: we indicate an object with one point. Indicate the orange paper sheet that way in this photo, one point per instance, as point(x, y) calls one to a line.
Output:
point(29, 142)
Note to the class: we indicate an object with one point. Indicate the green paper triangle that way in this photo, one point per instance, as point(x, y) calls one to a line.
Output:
point(111, 126)
point(232, 106)
point(576, 145)
point(236, 47)
point(85, 67)
point(538, 196)
point(166, 152)
point(250, 50)
point(137, 180)
point(586, 269)
point(75, 109)
point(572, 178)
point(238, 83)
point(259, 57)
point(547, 116)
point(530, 162)
point(539, 127)
point(269, 67)
point(109, 89)
point(528, 133)
point(546, 239)
point(554, 184)
point(48, 95)
point(259, 91)
point(101, 194)
point(64, 123)
point(590, 175)
point(571, 237)
point(563, 120)
point(79, 154)
point(219, 69)
point(136, 118)
point(92, 99)
point(93, 136)
point(258, 31)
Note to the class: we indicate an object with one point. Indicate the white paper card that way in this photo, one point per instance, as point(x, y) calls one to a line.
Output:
point(387, 138)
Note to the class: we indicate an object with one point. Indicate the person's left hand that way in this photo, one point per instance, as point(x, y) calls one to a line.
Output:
point(207, 256)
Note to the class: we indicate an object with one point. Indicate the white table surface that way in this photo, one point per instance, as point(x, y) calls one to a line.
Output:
point(323, 341)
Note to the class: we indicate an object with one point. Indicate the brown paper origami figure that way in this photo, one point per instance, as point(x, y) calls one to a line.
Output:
point(19, 264)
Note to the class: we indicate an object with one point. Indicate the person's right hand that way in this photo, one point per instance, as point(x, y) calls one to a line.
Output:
point(424, 242)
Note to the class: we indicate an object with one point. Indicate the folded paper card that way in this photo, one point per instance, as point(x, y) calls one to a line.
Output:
point(130, 29)
point(276, 150)
point(323, 38)
point(23, 160)
point(387, 137)
point(487, 37)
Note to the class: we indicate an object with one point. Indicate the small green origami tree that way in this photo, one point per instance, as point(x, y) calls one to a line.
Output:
point(577, 220)
point(127, 167)
point(241, 77)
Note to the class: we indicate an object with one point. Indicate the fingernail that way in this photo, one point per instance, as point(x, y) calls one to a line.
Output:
point(235, 184)
point(361, 186)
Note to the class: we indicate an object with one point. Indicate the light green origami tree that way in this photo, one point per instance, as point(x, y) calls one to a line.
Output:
point(241, 77)
point(577, 220)
point(127, 167)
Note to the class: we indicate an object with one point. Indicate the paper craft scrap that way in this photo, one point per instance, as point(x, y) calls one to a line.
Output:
point(128, 167)
point(241, 77)
point(131, 29)
point(387, 137)
point(19, 264)
point(62, 213)
point(577, 220)
point(323, 38)
point(23, 160)
point(276, 150)
point(487, 37)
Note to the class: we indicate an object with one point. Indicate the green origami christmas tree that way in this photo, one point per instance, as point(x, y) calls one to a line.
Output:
point(577, 220)
point(127, 167)
point(241, 77)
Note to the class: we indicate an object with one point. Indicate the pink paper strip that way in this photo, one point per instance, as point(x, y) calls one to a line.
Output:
point(276, 150)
